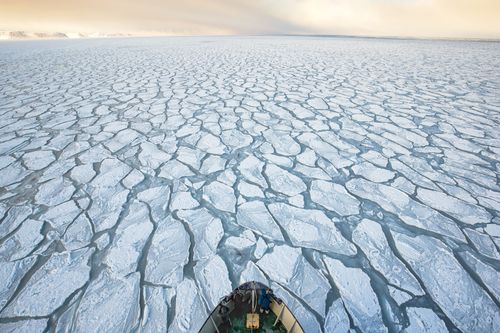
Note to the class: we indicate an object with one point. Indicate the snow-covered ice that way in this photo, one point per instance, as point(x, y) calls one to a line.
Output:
point(334, 197)
point(440, 271)
point(168, 253)
point(354, 285)
point(311, 228)
point(370, 237)
point(143, 179)
point(255, 216)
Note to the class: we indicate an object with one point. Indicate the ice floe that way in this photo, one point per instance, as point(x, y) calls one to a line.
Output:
point(168, 253)
point(407, 209)
point(255, 216)
point(109, 304)
point(334, 197)
point(451, 287)
point(353, 285)
point(50, 285)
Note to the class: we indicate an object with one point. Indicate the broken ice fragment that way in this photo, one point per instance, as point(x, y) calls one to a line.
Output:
point(38, 159)
point(337, 320)
point(213, 278)
point(51, 284)
point(156, 305)
point(371, 239)
point(182, 200)
point(408, 210)
point(109, 304)
point(461, 210)
point(283, 181)
point(54, 192)
point(334, 197)
point(220, 196)
point(286, 266)
point(424, 320)
point(131, 235)
point(251, 169)
point(11, 273)
point(189, 308)
point(22, 242)
point(168, 253)
point(174, 169)
point(151, 156)
point(373, 173)
point(157, 199)
point(207, 231)
point(24, 326)
point(451, 287)
point(255, 216)
point(311, 228)
point(354, 285)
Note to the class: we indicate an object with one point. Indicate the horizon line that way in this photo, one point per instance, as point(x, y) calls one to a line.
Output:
point(100, 35)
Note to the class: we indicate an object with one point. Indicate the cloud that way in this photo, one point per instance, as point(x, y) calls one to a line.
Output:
point(420, 18)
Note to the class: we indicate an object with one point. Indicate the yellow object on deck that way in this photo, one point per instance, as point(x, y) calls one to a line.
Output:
point(253, 321)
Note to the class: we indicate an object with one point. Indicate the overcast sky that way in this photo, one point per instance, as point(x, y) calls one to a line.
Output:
point(416, 18)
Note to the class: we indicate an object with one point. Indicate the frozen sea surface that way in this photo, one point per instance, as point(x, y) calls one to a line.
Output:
point(143, 179)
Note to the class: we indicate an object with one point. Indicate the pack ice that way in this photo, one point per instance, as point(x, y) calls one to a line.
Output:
point(143, 179)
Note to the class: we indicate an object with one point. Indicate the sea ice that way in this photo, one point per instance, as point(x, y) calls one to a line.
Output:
point(78, 234)
point(122, 139)
point(250, 190)
point(311, 228)
point(369, 236)
point(267, 148)
point(213, 280)
point(372, 173)
point(461, 210)
point(54, 192)
point(451, 287)
point(11, 273)
point(408, 210)
point(334, 197)
point(49, 287)
point(157, 199)
point(174, 170)
point(255, 216)
point(39, 159)
point(25, 326)
point(337, 320)
point(251, 169)
point(168, 253)
point(211, 144)
point(488, 274)
point(287, 266)
point(152, 157)
point(284, 182)
point(131, 234)
point(252, 273)
point(307, 320)
point(424, 320)
point(156, 305)
point(189, 308)
point(182, 200)
point(83, 173)
point(207, 231)
point(220, 196)
point(212, 163)
point(282, 142)
point(22, 242)
point(354, 285)
point(109, 304)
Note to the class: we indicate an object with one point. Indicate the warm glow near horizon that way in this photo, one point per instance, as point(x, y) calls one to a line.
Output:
point(405, 18)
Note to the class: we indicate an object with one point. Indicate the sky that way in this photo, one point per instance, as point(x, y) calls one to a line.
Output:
point(404, 18)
